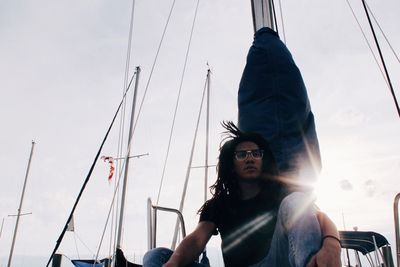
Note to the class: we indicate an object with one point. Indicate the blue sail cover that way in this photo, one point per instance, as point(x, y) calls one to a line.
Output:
point(88, 263)
point(273, 102)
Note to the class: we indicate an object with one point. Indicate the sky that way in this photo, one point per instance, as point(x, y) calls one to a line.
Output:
point(61, 80)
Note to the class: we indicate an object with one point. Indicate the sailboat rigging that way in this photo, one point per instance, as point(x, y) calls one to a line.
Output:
point(273, 20)
point(88, 175)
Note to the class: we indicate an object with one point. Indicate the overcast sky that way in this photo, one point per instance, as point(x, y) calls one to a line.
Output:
point(61, 79)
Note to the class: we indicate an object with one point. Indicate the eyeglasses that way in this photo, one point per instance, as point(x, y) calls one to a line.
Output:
point(241, 155)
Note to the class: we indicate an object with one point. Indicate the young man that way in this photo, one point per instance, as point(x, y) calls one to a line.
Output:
point(260, 222)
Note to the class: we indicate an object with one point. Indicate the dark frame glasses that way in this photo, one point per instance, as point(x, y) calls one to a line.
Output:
point(241, 155)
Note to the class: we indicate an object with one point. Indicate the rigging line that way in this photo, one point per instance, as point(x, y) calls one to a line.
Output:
point(111, 244)
point(282, 23)
point(129, 49)
point(383, 33)
point(126, 75)
point(76, 247)
point(114, 196)
point(111, 209)
point(125, 165)
point(58, 242)
point(177, 100)
point(123, 113)
point(368, 43)
point(382, 59)
point(115, 209)
point(87, 247)
point(182, 202)
point(274, 12)
point(153, 66)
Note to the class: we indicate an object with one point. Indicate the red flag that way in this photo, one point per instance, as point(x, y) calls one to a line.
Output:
point(112, 168)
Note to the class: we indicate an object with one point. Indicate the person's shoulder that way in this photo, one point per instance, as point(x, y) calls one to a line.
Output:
point(210, 211)
point(211, 203)
point(211, 206)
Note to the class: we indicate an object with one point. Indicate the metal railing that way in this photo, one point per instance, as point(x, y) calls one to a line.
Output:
point(152, 222)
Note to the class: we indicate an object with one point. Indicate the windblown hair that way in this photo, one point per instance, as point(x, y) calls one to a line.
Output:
point(226, 185)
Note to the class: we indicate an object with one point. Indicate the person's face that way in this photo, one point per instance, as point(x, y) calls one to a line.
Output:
point(247, 161)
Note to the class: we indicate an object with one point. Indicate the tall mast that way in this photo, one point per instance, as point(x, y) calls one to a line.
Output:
point(175, 237)
point(263, 15)
point(126, 167)
point(207, 136)
point(20, 206)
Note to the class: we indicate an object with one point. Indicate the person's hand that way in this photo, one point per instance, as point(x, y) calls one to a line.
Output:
point(328, 255)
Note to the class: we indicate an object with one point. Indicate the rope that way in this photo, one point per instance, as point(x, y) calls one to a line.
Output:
point(58, 242)
point(368, 43)
point(273, 11)
point(86, 246)
point(76, 247)
point(382, 60)
point(153, 66)
point(177, 101)
point(383, 34)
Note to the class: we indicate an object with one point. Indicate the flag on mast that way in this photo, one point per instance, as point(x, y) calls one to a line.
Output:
point(112, 168)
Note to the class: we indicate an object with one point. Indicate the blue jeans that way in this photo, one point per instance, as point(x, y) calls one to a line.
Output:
point(296, 238)
point(158, 256)
point(273, 101)
point(297, 234)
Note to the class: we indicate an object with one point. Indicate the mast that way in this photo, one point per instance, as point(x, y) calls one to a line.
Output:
point(207, 136)
point(206, 88)
point(20, 206)
point(263, 15)
point(126, 167)
point(397, 227)
point(1, 229)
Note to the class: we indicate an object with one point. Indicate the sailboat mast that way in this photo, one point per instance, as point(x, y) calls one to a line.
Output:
point(20, 206)
point(207, 136)
point(175, 237)
point(263, 15)
point(1, 230)
point(126, 167)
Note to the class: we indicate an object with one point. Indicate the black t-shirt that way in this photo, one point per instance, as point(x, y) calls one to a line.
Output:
point(246, 226)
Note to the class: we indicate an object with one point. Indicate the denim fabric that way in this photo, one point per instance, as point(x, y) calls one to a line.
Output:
point(273, 101)
point(158, 256)
point(297, 233)
point(296, 238)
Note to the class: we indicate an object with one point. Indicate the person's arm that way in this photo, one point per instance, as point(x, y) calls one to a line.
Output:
point(329, 254)
point(192, 245)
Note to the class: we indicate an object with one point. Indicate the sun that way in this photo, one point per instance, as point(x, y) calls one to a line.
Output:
point(332, 184)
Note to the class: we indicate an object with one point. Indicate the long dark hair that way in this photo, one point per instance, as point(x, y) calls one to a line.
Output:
point(226, 185)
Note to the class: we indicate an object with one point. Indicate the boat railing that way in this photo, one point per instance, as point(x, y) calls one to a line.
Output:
point(372, 245)
point(152, 222)
point(396, 227)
